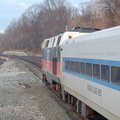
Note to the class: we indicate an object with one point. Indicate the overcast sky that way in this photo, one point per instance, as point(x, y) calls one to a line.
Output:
point(12, 9)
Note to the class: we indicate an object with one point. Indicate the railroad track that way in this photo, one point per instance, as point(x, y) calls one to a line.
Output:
point(1, 61)
point(38, 72)
point(33, 63)
point(35, 60)
point(33, 68)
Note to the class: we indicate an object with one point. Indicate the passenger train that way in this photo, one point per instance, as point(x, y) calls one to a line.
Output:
point(87, 69)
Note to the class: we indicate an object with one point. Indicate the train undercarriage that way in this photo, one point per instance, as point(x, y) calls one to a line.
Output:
point(83, 110)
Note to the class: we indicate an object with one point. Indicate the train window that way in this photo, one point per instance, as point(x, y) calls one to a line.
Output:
point(46, 44)
point(89, 69)
point(43, 44)
point(96, 70)
point(67, 42)
point(105, 72)
point(115, 74)
point(77, 67)
point(53, 42)
point(82, 68)
point(68, 65)
point(58, 41)
point(72, 66)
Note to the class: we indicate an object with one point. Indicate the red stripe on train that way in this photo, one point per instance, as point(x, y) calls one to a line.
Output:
point(52, 67)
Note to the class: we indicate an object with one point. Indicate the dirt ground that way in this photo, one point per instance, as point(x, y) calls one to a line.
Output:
point(24, 97)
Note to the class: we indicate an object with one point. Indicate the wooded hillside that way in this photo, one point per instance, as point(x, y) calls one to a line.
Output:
point(50, 18)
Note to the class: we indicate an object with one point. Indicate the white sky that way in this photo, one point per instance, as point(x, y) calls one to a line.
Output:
point(12, 9)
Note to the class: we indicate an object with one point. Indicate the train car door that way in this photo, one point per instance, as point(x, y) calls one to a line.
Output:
point(55, 66)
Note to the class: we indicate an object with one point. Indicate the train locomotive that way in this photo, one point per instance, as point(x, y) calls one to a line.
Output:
point(87, 69)
point(51, 53)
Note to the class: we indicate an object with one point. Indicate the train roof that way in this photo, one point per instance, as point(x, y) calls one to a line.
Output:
point(85, 29)
point(95, 36)
point(59, 39)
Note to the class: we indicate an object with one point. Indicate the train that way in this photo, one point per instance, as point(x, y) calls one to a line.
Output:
point(85, 69)
point(51, 53)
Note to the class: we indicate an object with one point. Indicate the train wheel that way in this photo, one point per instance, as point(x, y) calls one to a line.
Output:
point(58, 89)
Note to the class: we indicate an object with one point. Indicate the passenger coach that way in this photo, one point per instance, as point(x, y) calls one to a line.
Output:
point(91, 73)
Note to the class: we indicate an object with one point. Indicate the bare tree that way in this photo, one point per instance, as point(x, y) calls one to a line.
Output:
point(89, 13)
point(50, 18)
point(111, 11)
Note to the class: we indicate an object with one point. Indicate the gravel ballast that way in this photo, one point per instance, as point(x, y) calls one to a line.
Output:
point(24, 97)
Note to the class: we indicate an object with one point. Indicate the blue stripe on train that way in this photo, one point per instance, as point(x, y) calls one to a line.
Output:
point(93, 61)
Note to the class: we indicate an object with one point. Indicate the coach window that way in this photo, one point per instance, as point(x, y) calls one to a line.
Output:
point(58, 41)
point(115, 72)
point(105, 72)
point(66, 65)
point(82, 68)
point(77, 67)
point(72, 66)
point(89, 69)
point(96, 71)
